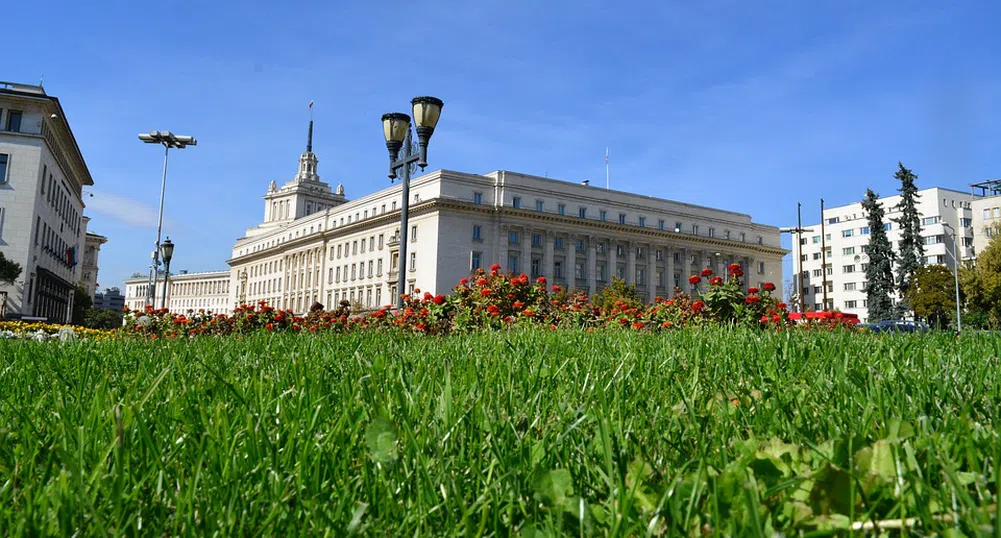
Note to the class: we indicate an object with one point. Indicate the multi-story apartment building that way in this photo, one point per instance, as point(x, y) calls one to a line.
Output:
point(42, 175)
point(846, 236)
point(111, 299)
point(188, 292)
point(315, 245)
point(986, 212)
point(91, 249)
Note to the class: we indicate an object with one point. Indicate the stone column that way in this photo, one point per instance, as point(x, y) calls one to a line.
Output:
point(500, 256)
point(571, 262)
point(631, 262)
point(669, 278)
point(548, 258)
point(651, 273)
point(526, 252)
point(721, 267)
point(752, 269)
point(592, 266)
point(686, 264)
point(613, 259)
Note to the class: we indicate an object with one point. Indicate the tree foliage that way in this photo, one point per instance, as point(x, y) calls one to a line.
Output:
point(879, 272)
point(103, 319)
point(9, 270)
point(618, 290)
point(982, 284)
point(912, 250)
point(931, 294)
point(81, 305)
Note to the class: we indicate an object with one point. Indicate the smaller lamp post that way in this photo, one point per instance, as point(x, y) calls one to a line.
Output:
point(955, 274)
point(167, 252)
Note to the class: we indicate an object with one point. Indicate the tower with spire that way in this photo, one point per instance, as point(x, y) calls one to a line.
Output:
point(304, 194)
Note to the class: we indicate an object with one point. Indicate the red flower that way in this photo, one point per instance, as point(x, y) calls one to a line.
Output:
point(781, 306)
point(716, 281)
point(707, 272)
point(428, 296)
point(541, 280)
point(269, 326)
point(753, 290)
point(768, 286)
point(734, 267)
point(752, 299)
point(495, 267)
point(481, 282)
point(463, 281)
point(517, 304)
point(666, 325)
point(637, 325)
point(439, 299)
point(698, 306)
point(492, 308)
point(527, 312)
point(694, 279)
point(556, 288)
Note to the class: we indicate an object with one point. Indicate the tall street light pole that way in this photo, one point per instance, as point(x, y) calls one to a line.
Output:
point(168, 140)
point(955, 274)
point(396, 127)
point(798, 263)
point(823, 252)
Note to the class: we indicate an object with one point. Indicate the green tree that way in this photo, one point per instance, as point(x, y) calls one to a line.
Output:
point(879, 272)
point(912, 251)
point(9, 270)
point(103, 319)
point(932, 295)
point(81, 305)
point(617, 290)
point(982, 284)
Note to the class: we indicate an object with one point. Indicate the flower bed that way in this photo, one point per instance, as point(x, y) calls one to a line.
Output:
point(494, 300)
point(49, 331)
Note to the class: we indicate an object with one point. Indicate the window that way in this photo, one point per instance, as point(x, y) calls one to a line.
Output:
point(967, 241)
point(477, 232)
point(934, 239)
point(539, 205)
point(580, 245)
point(659, 256)
point(363, 246)
point(987, 213)
point(816, 255)
point(849, 286)
point(712, 232)
point(639, 252)
point(558, 243)
point(848, 250)
point(337, 275)
point(4, 162)
point(816, 273)
point(603, 215)
point(660, 224)
point(380, 241)
point(803, 257)
point(354, 271)
point(14, 121)
point(677, 257)
point(512, 237)
point(927, 221)
point(413, 234)
point(578, 271)
point(354, 247)
point(833, 220)
point(622, 218)
point(851, 304)
point(370, 264)
point(601, 275)
point(378, 267)
point(815, 239)
point(761, 268)
point(965, 223)
point(582, 212)
point(477, 198)
point(536, 240)
point(558, 269)
point(536, 267)
point(830, 270)
point(512, 263)
point(888, 226)
point(864, 267)
point(413, 262)
point(695, 229)
point(642, 222)
point(475, 261)
point(561, 209)
point(619, 250)
point(848, 269)
point(743, 237)
point(677, 226)
point(516, 202)
point(864, 230)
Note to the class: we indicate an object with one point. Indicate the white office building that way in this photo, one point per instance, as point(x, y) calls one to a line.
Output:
point(315, 245)
point(846, 236)
point(986, 212)
point(188, 292)
point(42, 176)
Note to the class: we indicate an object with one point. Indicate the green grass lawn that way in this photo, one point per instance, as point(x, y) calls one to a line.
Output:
point(529, 433)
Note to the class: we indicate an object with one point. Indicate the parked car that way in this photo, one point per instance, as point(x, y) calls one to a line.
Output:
point(897, 325)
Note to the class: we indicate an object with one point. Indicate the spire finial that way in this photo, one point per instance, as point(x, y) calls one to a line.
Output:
point(309, 139)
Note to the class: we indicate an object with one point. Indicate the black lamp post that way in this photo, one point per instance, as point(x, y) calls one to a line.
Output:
point(396, 127)
point(166, 252)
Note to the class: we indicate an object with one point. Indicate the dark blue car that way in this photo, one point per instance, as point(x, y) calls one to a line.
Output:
point(897, 325)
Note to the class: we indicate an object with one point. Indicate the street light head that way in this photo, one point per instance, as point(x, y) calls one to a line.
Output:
point(395, 127)
point(677, 229)
point(167, 250)
point(149, 138)
point(427, 110)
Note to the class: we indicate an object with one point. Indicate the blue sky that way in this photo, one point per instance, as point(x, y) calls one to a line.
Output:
point(746, 106)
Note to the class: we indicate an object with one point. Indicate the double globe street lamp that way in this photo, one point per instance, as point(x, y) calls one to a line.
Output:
point(166, 252)
point(168, 140)
point(396, 127)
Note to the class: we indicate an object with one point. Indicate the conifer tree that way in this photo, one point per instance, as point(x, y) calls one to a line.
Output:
point(911, 253)
point(879, 272)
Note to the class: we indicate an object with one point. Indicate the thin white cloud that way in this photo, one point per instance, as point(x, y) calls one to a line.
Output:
point(122, 209)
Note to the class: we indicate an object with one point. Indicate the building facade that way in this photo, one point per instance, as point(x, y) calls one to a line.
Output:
point(111, 299)
point(42, 175)
point(986, 212)
point(91, 250)
point(846, 238)
point(314, 245)
point(188, 292)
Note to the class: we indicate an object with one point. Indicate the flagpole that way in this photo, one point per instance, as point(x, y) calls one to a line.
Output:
point(606, 168)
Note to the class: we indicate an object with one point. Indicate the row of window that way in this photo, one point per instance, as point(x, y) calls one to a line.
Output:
point(199, 288)
point(992, 213)
point(535, 266)
point(60, 200)
point(582, 212)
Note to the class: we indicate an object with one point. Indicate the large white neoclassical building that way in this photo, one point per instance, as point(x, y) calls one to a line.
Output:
point(315, 245)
